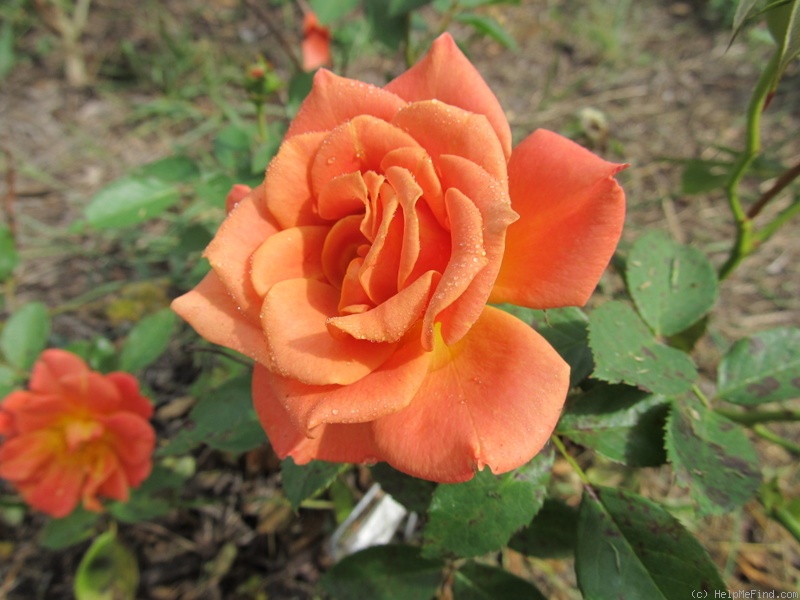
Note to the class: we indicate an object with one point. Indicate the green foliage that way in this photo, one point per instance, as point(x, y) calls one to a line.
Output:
point(76, 527)
point(24, 335)
point(306, 481)
point(108, 571)
point(712, 456)
point(224, 419)
point(395, 572)
point(619, 422)
point(474, 581)
point(762, 368)
point(672, 285)
point(552, 533)
point(630, 547)
point(147, 340)
point(415, 494)
point(626, 351)
point(142, 195)
point(480, 515)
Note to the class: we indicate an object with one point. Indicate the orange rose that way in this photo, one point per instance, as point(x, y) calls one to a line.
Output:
point(357, 275)
point(316, 44)
point(75, 435)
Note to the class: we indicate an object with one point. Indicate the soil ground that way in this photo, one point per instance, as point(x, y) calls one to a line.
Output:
point(665, 86)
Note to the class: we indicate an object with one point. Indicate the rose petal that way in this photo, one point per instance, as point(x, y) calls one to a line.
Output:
point(289, 254)
point(90, 391)
point(378, 274)
point(132, 400)
point(356, 146)
point(40, 411)
point(51, 366)
point(341, 247)
point(287, 186)
point(334, 100)
point(351, 443)
point(301, 347)
point(491, 399)
point(56, 491)
point(467, 259)
point(22, 456)
point(131, 437)
point(386, 390)
point(212, 312)
point(443, 129)
point(571, 216)
point(342, 196)
point(447, 75)
point(389, 321)
point(237, 193)
point(419, 163)
point(492, 201)
point(230, 251)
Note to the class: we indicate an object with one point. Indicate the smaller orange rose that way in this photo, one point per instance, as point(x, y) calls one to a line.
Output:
point(316, 43)
point(75, 434)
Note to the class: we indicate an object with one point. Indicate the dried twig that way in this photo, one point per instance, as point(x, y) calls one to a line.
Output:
point(275, 31)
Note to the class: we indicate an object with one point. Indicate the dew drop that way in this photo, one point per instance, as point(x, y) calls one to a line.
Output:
point(330, 160)
point(335, 412)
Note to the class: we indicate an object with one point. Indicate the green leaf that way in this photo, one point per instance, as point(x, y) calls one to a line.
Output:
point(391, 572)
point(784, 24)
point(305, 481)
point(232, 149)
point(762, 368)
point(401, 7)
point(474, 581)
point(299, 87)
point(744, 10)
point(566, 329)
point(625, 351)
point(388, 29)
point(620, 422)
point(551, 534)
point(486, 25)
point(214, 188)
point(130, 201)
point(672, 285)
point(327, 12)
point(413, 493)
point(480, 515)
point(9, 257)
point(99, 353)
point(224, 419)
point(25, 334)
point(8, 381)
point(701, 176)
point(630, 547)
point(141, 195)
point(151, 499)
point(173, 169)
point(147, 340)
point(712, 456)
point(108, 571)
point(70, 530)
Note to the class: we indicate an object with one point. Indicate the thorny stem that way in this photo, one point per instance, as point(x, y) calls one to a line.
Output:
point(759, 416)
point(744, 225)
point(782, 181)
point(568, 457)
point(773, 437)
point(702, 397)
